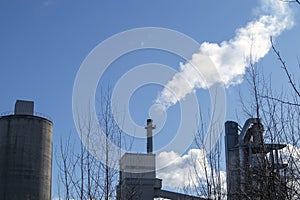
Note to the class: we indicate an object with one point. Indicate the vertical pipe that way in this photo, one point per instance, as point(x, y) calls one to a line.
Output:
point(232, 157)
point(149, 129)
point(242, 169)
point(276, 156)
point(242, 154)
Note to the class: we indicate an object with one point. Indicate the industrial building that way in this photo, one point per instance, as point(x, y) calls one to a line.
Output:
point(138, 176)
point(254, 168)
point(25, 154)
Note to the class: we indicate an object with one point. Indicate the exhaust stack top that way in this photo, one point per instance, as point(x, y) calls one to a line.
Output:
point(149, 129)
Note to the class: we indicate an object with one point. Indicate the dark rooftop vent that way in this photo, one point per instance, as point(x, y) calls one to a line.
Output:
point(23, 107)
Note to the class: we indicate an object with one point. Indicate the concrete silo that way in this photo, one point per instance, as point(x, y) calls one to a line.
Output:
point(25, 154)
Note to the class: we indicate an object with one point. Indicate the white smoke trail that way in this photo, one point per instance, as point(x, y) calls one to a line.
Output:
point(230, 58)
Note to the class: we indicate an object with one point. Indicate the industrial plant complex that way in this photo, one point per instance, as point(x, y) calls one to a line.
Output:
point(26, 162)
point(138, 175)
point(253, 167)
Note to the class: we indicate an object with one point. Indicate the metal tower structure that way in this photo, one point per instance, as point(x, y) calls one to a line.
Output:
point(25, 154)
point(254, 170)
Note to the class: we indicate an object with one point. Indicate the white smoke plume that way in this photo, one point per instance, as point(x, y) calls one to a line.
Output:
point(229, 58)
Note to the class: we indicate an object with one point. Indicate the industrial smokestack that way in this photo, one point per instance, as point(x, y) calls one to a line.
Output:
point(149, 129)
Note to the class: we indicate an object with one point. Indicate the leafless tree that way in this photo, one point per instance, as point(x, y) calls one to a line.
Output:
point(83, 172)
point(280, 116)
point(205, 177)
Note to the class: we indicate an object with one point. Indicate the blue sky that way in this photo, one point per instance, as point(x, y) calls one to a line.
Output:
point(43, 43)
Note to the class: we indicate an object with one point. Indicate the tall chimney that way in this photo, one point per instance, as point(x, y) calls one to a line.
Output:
point(149, 129)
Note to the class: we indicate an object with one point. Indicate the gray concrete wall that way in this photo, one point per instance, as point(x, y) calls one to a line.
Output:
point(135, 165)
point(25, 158)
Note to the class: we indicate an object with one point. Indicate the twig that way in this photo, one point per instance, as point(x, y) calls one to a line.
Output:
point(281, 101)
point(291, 1)
point(284, 67)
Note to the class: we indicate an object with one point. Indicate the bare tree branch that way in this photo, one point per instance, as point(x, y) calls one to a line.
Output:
point(292, 83)
point(291, 1)
point(280, 101)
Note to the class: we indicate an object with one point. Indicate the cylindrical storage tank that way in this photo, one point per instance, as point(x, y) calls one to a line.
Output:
point(25, 157)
